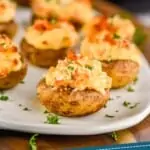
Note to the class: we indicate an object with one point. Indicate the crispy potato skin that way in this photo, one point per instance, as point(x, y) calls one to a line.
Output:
point(69, 103)
point(13, 78)
point(42, 58)
point(9, 28)
point(122, 72)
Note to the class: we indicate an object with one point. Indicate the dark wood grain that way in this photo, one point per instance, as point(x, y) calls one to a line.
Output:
point(19, 141)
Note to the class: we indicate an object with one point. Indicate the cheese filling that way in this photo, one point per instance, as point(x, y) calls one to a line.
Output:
point(79, 73)
point(43, 35)
point(107, 47)
point(7, 10)
point(10, 59)
point(122, 27)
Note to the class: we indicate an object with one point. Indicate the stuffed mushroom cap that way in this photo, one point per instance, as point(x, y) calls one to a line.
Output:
point(77, 86)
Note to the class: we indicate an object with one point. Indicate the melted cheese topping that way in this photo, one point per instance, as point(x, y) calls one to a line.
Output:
point(43, 35)
point(107, 47)
point(10, 59)
point(79, 10)
point(7, 10)
point(79, 73)
point(123, 27)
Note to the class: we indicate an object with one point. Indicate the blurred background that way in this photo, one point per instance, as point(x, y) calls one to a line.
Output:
point(139, 7)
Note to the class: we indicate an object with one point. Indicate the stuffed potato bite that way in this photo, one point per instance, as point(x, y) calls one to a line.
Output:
point(12, 67)
point(119, 56)
point(77, 86)
point(77, 12)
point(45, 43)
point(7, 14)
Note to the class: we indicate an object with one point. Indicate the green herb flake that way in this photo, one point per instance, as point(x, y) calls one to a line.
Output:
point(116, 36)
point(135, 80)
point(46, 112)
point(52, 119)
point(110, 99)
point(130, 89)
point(139, 36)
point(32, 142)
point(4, 98)
point(71, 68)
point(114, 135)
point(134, 106)
point(22, 82)
point(26, 109)
point(88, 67)
point(109, 116)
point(126, 104)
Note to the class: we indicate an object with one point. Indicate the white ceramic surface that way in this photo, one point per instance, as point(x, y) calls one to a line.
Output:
point(12, 116)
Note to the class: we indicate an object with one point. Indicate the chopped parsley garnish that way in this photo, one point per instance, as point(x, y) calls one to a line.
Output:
point(116, 36)
point(20, 105)
point(117, 111)
point(130, 89)
point(139, 36)
point(26, 109)
point(126, 104)
point(114, 135)
point(88, 67)
point(105, 106)
point(4, 98)
point(129, 105)
point(109, 116)
point(71, 68)
point(46, 112)
point(22, 82)
point(32, 142)
point(133, 106)
point(135, 80)
point(52, 119)
point(53, 21)
point(111, 99)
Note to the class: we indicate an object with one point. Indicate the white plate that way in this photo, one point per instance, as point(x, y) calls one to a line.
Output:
point(12, 116)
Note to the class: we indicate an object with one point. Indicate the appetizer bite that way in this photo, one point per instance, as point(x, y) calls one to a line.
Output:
point(46, 42)
point(12, 66)
point(122, 27)
point(7, 14)
point(120, 57)
point(77, 86)
point(78, 12)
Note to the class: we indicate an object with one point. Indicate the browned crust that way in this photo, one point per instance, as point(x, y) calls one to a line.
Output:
point(13, 78)
point(9, 28)
point(122, 72)
point(42, 58)
point(65, 102)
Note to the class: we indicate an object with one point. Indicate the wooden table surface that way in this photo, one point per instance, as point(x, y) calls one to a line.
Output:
point(10, 140)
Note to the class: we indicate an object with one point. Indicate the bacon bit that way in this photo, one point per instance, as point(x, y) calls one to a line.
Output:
point(42, 25)
point(15, 61)
point(61, 83)
point(71, 55)
point(110, 39)
point(2, 7)
point(2, 49)
point(13, 49)
point(125, 44)
point(45, 42)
